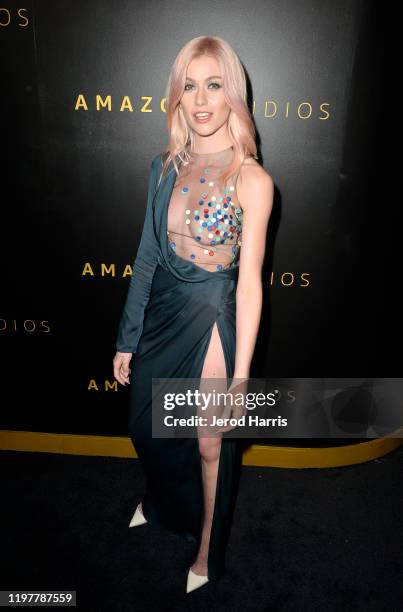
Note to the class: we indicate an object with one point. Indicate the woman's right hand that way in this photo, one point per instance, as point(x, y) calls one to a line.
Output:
point(121, 368)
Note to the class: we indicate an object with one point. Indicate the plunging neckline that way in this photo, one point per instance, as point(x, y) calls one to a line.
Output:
point(168, 189)
point(164, 239)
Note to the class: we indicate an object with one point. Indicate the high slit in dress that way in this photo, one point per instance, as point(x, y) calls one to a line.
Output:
point(184, 281)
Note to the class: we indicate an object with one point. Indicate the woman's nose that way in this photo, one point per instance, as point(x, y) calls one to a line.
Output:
point(201, 96)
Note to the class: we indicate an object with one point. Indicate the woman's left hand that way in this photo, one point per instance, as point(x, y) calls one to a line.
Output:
point(237, 388)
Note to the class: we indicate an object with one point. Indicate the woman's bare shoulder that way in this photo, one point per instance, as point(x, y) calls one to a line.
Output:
point(251, 167)
point(253, 181)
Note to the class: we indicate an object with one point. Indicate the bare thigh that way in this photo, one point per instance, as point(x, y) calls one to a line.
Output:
point(213, 368)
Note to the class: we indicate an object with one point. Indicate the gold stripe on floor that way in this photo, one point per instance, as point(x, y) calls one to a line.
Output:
point(259, 455)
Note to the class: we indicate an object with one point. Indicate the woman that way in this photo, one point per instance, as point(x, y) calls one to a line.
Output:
point(194, 303)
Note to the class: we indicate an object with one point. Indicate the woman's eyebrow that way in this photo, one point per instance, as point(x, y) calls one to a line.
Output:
point(207, 79)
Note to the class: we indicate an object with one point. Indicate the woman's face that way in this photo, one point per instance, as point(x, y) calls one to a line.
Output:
point(204, 93)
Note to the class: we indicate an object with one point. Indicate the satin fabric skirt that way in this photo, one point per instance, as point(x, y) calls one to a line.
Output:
point(178, 323)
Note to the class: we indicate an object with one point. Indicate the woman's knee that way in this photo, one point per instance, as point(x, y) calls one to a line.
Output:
point(209, 448)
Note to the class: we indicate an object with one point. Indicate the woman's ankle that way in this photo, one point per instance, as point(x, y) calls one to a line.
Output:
point(199, 566)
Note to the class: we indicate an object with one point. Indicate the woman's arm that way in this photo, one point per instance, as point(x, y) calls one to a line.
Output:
point(131, 322)
point(255, 193)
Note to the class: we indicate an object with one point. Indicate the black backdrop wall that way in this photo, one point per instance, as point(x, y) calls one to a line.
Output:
point(82, 118)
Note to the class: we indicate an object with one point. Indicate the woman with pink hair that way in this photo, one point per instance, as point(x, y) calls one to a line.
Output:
point(194, 303)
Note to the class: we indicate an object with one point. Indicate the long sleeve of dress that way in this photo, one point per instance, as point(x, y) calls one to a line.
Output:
point(131, 322)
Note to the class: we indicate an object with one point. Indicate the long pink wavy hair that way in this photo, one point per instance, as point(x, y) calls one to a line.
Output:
point(240, 124)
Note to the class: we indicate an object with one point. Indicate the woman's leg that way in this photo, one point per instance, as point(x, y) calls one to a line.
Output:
point(210, 447)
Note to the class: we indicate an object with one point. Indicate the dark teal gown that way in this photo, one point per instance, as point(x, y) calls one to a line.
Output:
point(171, 307)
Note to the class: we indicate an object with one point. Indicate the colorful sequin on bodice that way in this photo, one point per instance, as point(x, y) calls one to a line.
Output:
point(204, 215)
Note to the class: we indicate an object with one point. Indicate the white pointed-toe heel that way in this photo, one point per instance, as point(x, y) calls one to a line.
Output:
point(194, 581)
point(138, 518)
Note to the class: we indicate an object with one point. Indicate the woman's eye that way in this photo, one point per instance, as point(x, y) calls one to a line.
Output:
point(189, 85)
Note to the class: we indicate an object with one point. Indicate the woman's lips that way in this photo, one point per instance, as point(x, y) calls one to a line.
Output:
point(203, 119)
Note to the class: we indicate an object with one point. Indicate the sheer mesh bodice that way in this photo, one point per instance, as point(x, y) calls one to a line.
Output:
point(204, 215)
